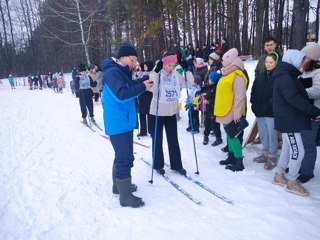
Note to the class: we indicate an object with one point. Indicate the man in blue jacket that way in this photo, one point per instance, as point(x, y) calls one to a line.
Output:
point(120, 118)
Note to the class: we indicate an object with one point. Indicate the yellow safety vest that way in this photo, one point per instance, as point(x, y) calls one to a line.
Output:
point(224, 94)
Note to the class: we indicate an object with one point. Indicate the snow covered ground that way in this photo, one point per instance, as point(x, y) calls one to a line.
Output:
point(55, 183)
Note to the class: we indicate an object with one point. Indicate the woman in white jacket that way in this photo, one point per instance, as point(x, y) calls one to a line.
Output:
point(311, 80)
point(166, 94)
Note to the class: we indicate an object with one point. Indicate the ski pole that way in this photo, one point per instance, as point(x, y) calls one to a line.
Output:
point(191, 123)
point(155, 131)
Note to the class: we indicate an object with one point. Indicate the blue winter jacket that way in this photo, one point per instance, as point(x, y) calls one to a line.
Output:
point(119, 97)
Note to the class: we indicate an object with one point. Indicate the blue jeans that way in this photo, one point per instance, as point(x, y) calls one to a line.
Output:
point(268, 135)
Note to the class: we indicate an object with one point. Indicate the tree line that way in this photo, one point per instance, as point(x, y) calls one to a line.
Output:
point(54, 35)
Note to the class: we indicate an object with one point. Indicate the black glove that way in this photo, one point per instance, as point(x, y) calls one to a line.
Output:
point(159, 66)
point(144, 78)
point(77, 92)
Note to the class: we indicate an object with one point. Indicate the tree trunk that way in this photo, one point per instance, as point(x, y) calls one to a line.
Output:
point(259, 29)
point(299, 25)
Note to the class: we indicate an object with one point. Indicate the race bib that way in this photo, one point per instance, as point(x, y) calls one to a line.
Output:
point(170, 88)
point(84, 82)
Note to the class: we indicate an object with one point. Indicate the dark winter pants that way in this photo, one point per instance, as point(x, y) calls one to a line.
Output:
point(85, 100)
point(309, 143)
point(195, 118)
point(170, 125)
point(144, 126)
point(210, 123)
point(123, 148)
point(96, 96)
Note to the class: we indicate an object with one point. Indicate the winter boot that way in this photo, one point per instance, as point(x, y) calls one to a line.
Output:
point(84, 121)
point(127, 199)
point(296, 188)
point(225, 149)
point(182, 171)
point(280, 179)
point(229, 160)
point(237, 166)
point(217, 142)
point(262, 158)
point(93, 120)
point(271, 162)
point(205, 140)
point(134, 187)
point(161, 171)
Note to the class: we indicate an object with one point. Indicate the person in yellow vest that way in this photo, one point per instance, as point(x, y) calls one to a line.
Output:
point(230, 104)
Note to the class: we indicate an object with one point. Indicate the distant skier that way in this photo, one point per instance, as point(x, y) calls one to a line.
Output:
point(82, 85)
point(11, 81)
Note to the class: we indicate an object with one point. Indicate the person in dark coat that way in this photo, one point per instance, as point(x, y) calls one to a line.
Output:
point(209, 94)
point(35, 82)
point(82, 85)
point(144, 101)
point(292, 114)
point(262, 107)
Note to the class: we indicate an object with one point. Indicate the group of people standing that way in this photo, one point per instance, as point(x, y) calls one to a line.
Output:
point(285, 98)
point(281, 100)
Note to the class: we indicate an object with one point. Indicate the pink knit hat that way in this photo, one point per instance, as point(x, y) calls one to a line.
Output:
point(230, 56)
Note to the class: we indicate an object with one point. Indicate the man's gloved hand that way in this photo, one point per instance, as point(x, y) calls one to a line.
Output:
point(159, 66)
point(144, 78)
point(77, 92)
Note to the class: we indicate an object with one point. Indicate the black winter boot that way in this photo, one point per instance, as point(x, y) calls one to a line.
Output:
point(237, 166)
point(134, 187)
point(225, 149)
point(217, 142)
point(205, 140)
point(229, 160)
point(127, 199)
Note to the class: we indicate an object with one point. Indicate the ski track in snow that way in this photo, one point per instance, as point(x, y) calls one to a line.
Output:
point(55, 183)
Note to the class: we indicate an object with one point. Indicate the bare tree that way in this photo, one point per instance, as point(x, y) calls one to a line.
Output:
point(76, 13)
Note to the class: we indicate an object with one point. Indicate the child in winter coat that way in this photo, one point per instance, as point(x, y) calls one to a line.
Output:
point(93, 75)
point(30, 82)
point(61, 83)
point(11, 81)
point(262, 101)
point(192, 104)
point(209, 94)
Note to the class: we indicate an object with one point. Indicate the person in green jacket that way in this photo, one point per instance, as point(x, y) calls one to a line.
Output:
point(11, 81)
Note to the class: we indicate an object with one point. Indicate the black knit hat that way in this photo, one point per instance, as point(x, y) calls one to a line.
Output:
point(127, 50)
point(82, 67)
